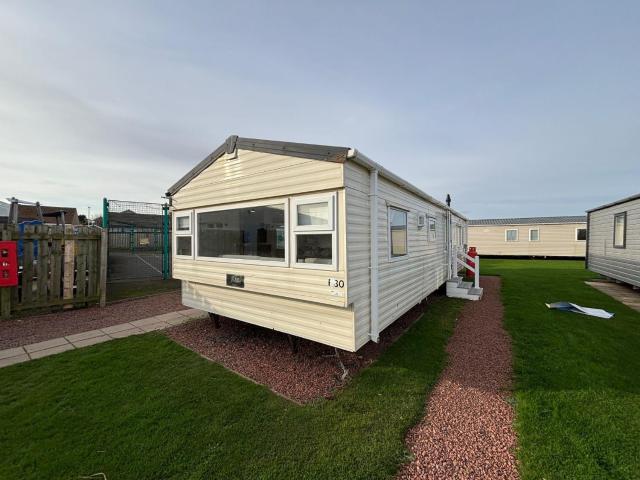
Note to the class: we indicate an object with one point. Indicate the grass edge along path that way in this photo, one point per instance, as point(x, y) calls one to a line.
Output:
point(145, 407)
point(577, 378)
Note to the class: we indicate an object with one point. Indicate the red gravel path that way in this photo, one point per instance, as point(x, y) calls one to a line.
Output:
point(265, 356)
point(37, 328)
point(467, 432)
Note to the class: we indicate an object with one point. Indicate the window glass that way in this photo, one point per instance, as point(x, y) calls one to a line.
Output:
point(314, 248)
point(619, 230)
point(255, 233)
point(534, 235)
point(512, 235)
point(313, 213)
point(398, 228)
point(183, 245)
point(432, 229)
point(183, 223)
point(581, 234)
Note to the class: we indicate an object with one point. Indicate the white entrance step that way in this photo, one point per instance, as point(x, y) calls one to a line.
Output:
point(457, 288)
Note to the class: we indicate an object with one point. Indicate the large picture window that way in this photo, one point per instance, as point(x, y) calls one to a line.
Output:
point(314, 233)
point(620, 230)
point(397, 232)
point(256, 233)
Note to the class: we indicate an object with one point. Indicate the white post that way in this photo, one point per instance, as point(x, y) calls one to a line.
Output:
point(476, 277)
point(374, 331)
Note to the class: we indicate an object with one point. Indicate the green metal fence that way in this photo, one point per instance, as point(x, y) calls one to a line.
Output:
point(139, 240)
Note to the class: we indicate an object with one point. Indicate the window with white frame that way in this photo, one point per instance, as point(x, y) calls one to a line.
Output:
point(314, 231)
point(397, 232)
point(620, 230)
point(184, 238)
point(511, 235)
point(432, 228)
point(247, 232)
point(581, 234)
point(534, 234)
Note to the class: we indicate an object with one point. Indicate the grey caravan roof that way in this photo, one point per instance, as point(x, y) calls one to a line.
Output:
point(530, 220)
point(617, 202)
point(303, 150)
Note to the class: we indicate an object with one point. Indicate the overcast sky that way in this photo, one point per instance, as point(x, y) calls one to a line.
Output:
point(515, 108)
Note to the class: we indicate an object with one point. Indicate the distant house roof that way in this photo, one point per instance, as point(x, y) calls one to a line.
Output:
point(529, 220)
point(129, 218)
point(49, 214)
point(617, 202)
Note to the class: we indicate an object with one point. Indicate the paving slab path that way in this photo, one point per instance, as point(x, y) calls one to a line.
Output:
point(24, 353)
point(623, 293)
point(467, 432)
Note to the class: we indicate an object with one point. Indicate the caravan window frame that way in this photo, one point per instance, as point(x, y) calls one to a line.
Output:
point(622, 215)
point(232, 206)
point(329, 229)
point(506, 234)
point(585, 234)
point(182, 233)
point(395, 257)
point(534, 230)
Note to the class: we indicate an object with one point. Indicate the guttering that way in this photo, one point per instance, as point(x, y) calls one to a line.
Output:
point(364, 161)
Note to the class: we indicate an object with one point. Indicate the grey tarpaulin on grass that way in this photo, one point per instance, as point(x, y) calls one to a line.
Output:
point(572, 307)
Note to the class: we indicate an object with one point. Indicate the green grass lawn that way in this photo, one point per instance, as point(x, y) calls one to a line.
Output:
point(144, 407)
point(577, 384)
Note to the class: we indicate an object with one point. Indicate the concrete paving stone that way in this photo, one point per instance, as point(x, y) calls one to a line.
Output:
point(126, 333)
point(193, 313)
point(155, 326)
point(165, 317)
point(179, 321)
point(11, 352)
point(5, 362)
point(84, 335)
point(91, 341)
point(118, 328)
point(55, 342)
point(51, 351)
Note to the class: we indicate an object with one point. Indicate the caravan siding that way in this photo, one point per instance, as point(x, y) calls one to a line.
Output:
point(273, 296)
point(555, 240)
point(619, 263)
point(403, 281)
point(253, 175)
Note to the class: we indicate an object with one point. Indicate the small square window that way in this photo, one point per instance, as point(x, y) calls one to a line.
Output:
point(183, 245)
point(511, 235)
point(183, 224)
point(534, 235)
point(581, 234)
point(313, 214)
point(314, 248)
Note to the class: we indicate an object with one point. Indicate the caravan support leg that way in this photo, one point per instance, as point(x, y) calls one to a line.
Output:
point(216, 319)
point(293, 343)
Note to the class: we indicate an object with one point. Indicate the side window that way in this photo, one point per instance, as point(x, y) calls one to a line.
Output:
point(511, 235)
point(534, 234)
point(620, 230)
point(581, 234)
point(183, 236)
point(397, 232)
point(432, 229)
point(314, 231)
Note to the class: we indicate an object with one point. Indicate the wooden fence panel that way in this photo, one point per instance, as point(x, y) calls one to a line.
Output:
point(57, 268)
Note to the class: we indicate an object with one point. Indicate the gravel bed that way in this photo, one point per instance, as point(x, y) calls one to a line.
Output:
point(37, 328)
point(265, 356)
point(467, 432)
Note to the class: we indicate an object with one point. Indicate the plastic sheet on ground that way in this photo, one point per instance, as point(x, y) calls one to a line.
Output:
point(572, 307)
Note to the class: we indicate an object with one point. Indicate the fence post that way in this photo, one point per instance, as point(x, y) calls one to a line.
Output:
point(5, 292)
point(165, 241)
point(104, 245)
point(69, 265)
point(105, 213)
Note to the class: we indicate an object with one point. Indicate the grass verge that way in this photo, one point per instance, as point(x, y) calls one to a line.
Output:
point(577, 384)
point(140, 288)
point(145, 407)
